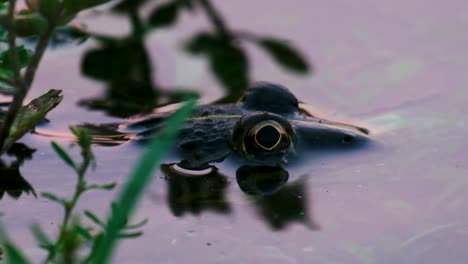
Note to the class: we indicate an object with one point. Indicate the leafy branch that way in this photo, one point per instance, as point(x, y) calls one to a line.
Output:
point(42, 19)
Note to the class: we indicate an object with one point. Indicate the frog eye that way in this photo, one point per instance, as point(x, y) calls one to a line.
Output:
point(263, 137)
point(266, 136)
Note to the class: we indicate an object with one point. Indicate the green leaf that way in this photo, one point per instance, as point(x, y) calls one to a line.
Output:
point(12, 253)
point(133, 189)
point(84, 137)
point(137, 225)
point(42, 239)
point(164, 15)
point(26, 23)
point(23, 55)
point(285, 54)
point(107, 186)
point(130, 235)
point(94, 218)
point(31, 114)
point(54, 198)
point(84, 232)
point(63, 155)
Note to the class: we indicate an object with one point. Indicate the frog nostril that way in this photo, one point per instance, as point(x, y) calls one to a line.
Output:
point(347, 139)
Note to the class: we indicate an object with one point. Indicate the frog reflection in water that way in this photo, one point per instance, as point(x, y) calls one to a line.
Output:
point(263, 128)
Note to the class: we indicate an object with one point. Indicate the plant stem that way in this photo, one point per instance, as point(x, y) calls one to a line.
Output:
point(23, 84)
point(216, 19)
point(12, 45)
point(80, 188)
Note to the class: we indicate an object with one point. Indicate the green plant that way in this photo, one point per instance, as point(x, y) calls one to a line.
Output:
point(72, 234)
point(41, 19)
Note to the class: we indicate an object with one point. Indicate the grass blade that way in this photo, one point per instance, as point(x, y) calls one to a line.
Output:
point(63, 155)
point(138, 180)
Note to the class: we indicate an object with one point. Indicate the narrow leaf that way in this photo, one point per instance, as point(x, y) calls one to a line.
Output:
point(54, 198)
point(84, 232)
point(42, 239)
point(63, 155)
point(137, 225)
point(139, 178)
point(108, 186)
point(94, 218)
point(130, 235)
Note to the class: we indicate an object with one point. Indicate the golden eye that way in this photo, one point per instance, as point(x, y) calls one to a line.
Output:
point(267, 135)
point(263, 137)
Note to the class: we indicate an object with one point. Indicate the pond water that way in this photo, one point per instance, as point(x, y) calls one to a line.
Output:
point(395, 67)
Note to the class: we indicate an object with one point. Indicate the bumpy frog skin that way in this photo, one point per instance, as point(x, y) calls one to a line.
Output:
point(263, 128)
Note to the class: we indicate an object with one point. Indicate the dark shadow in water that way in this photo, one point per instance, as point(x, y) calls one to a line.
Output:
point(11, 181)
point(278, 203)
point(196, 193)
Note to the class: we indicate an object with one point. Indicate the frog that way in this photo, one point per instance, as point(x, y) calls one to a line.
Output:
point(266, 127)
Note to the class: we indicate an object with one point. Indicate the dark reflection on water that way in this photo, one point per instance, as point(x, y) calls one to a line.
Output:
point(261, 180)
point(196, 193)
point(11, 181)
point(276, 202)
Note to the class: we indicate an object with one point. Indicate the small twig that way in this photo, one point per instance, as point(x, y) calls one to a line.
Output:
point(216, 19)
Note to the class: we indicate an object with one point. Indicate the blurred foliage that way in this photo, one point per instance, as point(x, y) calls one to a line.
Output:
point(124, 63)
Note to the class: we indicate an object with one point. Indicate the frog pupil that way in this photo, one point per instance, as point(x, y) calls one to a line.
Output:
point(268, 136)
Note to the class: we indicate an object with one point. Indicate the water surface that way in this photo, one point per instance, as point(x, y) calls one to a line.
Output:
point(396, 67)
